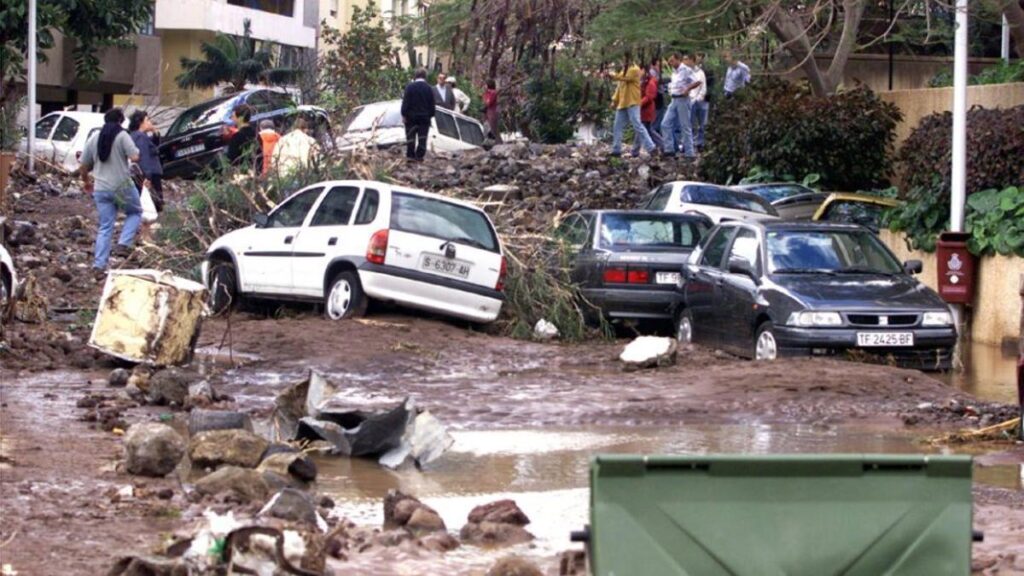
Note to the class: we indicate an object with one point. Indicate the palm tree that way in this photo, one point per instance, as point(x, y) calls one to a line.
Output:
point(233, 60)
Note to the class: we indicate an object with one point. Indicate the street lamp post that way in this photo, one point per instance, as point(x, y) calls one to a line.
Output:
point(31, 85)
point(959, 148)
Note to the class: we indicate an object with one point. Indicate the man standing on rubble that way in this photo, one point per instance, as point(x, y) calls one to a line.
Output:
point(106, 156)
point(417, 112)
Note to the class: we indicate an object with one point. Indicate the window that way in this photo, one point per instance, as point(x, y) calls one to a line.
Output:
point(278, 100)
point(372, 116)
point(574, 230)
point(45, 125)
point(446, 124)
point(444, 220)
point(66, 130)
point(259, 101)
point(207, 113)
point(745, 246)
point(471, 132)
point(659, 199)
point(337, 207)
point(725, 198)
point(715, 248)
point(641, 232)
point(293, 212)
point(282, 7)
point(368, 209)
point(776, 192)
point(853, 251)
point(850, 212)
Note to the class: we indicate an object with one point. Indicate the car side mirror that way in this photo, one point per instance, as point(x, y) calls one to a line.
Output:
point(742, 266)
point(260, 220)
point(913, 267)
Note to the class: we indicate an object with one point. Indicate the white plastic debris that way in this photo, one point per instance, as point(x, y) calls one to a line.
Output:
point(545, 330)
point(649, 352)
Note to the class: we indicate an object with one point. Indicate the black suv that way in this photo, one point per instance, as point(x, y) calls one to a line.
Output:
point(195, 139)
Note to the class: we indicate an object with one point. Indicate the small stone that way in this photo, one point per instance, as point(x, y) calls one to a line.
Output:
point(425, 520)
point(165, 494)
point(119, 378)
point(293, 505)
point(232, 447)
point(170, 386)
point(649, 352)
point(152, 449)
point(514, 566)
point(494, 534)
point(502, 512)
point(244, 483)
point(439, 542)
point(326, 502)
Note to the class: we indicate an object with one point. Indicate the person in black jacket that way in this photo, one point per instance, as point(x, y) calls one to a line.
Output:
point(417, 112)
point(244, 147)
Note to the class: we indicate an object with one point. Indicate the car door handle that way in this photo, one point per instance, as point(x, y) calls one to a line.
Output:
point(288, 239)
point(333, 241)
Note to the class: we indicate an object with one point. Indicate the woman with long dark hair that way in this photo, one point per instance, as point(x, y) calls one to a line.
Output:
point(106, 156)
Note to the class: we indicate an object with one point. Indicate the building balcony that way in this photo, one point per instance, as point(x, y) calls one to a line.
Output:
point(281, 21)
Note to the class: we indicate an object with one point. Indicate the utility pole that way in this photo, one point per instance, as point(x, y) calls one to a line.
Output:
point(958, 192)
point(1004, 52)
point(32, 41)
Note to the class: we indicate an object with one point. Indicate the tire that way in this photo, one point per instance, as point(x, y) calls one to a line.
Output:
point(766, 346)
point(344, 297)
point(684, 327)
point(224, 295)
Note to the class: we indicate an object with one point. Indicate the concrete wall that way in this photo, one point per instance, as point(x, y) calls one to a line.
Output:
point(917, 104)
point(219, 16)
point(996, 312)
point(176, 45)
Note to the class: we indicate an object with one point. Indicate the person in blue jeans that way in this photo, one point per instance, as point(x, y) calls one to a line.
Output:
point(679, 111)
point(106, 157)
point(626, 101)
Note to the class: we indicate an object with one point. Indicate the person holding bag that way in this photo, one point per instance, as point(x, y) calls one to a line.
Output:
point(141, 129)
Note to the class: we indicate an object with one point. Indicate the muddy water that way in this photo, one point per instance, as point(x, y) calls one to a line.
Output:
point(990, 373)
point(545, 472)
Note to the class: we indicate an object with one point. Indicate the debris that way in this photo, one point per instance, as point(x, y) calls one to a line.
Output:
point(296, 467)
point(293, 505)
point(244, 483)
point(152, 449)
point(232, 447)
point(1003, 431)
point(514, 566)
point(496, 524)
point(545, 330)
point(649, 352)
point(425, 440)
point(200, 420)
point(148, 566)
point(149, 317)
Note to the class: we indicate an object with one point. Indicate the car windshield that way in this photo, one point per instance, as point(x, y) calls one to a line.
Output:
point(776, 192)
point(445, 220)
point(380, 115)
point(727, 198)
point(205, 114)
point(644, 232)
point(828, 251)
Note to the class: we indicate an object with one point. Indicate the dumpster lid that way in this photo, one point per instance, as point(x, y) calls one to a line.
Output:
point(786, 514)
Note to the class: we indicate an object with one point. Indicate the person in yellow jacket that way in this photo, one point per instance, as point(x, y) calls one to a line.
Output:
point(626, 101)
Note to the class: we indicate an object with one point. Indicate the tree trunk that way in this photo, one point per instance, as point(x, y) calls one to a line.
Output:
point(794, 39)
point(853, 11)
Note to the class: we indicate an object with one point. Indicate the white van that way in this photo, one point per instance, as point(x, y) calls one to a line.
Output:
point(61, 137)
point(380, 125)
point(341, 243)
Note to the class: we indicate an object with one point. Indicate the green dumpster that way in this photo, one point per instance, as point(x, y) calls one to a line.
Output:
point(791, 515)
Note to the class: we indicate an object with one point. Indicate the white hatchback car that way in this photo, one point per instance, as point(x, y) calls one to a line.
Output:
point(61, 137)
point(719, 203)
point(342, 242)
point(380, 125)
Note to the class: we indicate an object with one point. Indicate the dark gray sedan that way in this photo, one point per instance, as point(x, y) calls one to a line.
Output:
point(765, 290)
point(628, 263)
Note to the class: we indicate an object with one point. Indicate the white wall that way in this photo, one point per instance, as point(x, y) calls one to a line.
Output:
point(219, 16)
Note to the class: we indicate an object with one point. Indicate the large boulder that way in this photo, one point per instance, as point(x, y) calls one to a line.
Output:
point(233, 447)
point(170, 386)
point(246, 484)
point(152, 449)
point(649, 352)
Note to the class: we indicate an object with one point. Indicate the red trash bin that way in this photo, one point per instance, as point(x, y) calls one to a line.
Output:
point(956, 268)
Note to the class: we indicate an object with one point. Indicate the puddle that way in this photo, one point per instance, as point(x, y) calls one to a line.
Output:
point(546, 472)
point(990, 373)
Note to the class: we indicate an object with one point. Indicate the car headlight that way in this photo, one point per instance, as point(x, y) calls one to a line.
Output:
point(815, 319)
point(937, 319)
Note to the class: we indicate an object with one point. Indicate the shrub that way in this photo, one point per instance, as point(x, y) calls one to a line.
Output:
point(557, 99)
point(1001, 73)
point(783, 129)
point(995, 149)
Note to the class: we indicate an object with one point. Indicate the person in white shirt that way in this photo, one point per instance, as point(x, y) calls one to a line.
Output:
point(462, 101)
point(443, 95)
point(678, 115)
point(295, 150)
point(737, 76)
point(699, 103)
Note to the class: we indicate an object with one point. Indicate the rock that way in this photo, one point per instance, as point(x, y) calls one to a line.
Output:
point(424, 520)
point(295, 466)
point(514, 566)
point(439, 542)
point(170, 386)
point(200, 420)
point(201, 394)
point(399, 509)
point(572, 563)
point(326, 502)
point(23, 234)
point(502, 512)
point(119, 378)
point(140, 377)
point(494, 534)
point(649, 352)
point(544, 330)
point(244, 483)
point(232, 447)
point(152, 449)
point(293, 505)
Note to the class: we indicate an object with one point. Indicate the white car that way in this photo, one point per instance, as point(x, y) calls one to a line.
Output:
point(342, 242)
point(719, 203)
point(61, 137)
point(380, 125)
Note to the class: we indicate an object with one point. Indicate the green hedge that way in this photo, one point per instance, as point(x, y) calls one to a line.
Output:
point(782, 128)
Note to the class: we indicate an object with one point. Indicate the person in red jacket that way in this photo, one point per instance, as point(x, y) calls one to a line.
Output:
point(648, 110)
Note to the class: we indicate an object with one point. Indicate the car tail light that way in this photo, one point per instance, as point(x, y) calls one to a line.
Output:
point(638, 277)
point(378, 247)
point(615, 275)
point(500, 286)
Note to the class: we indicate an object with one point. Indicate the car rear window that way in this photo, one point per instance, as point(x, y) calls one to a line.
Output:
point(726, 198)
point(776, 192)
point(643, 232)
point(205, 114)
point(381, 115)
point(444, 220)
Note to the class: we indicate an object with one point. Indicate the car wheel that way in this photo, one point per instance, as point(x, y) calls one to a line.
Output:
point(684, 327)
point(345, 298)
point(223, 288)
point(765, 345)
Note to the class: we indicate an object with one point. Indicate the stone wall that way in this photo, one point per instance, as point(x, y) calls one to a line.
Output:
point(916, 104)
point(997, 306)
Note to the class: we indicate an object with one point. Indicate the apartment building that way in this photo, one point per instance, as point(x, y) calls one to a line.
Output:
point(338, 14)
